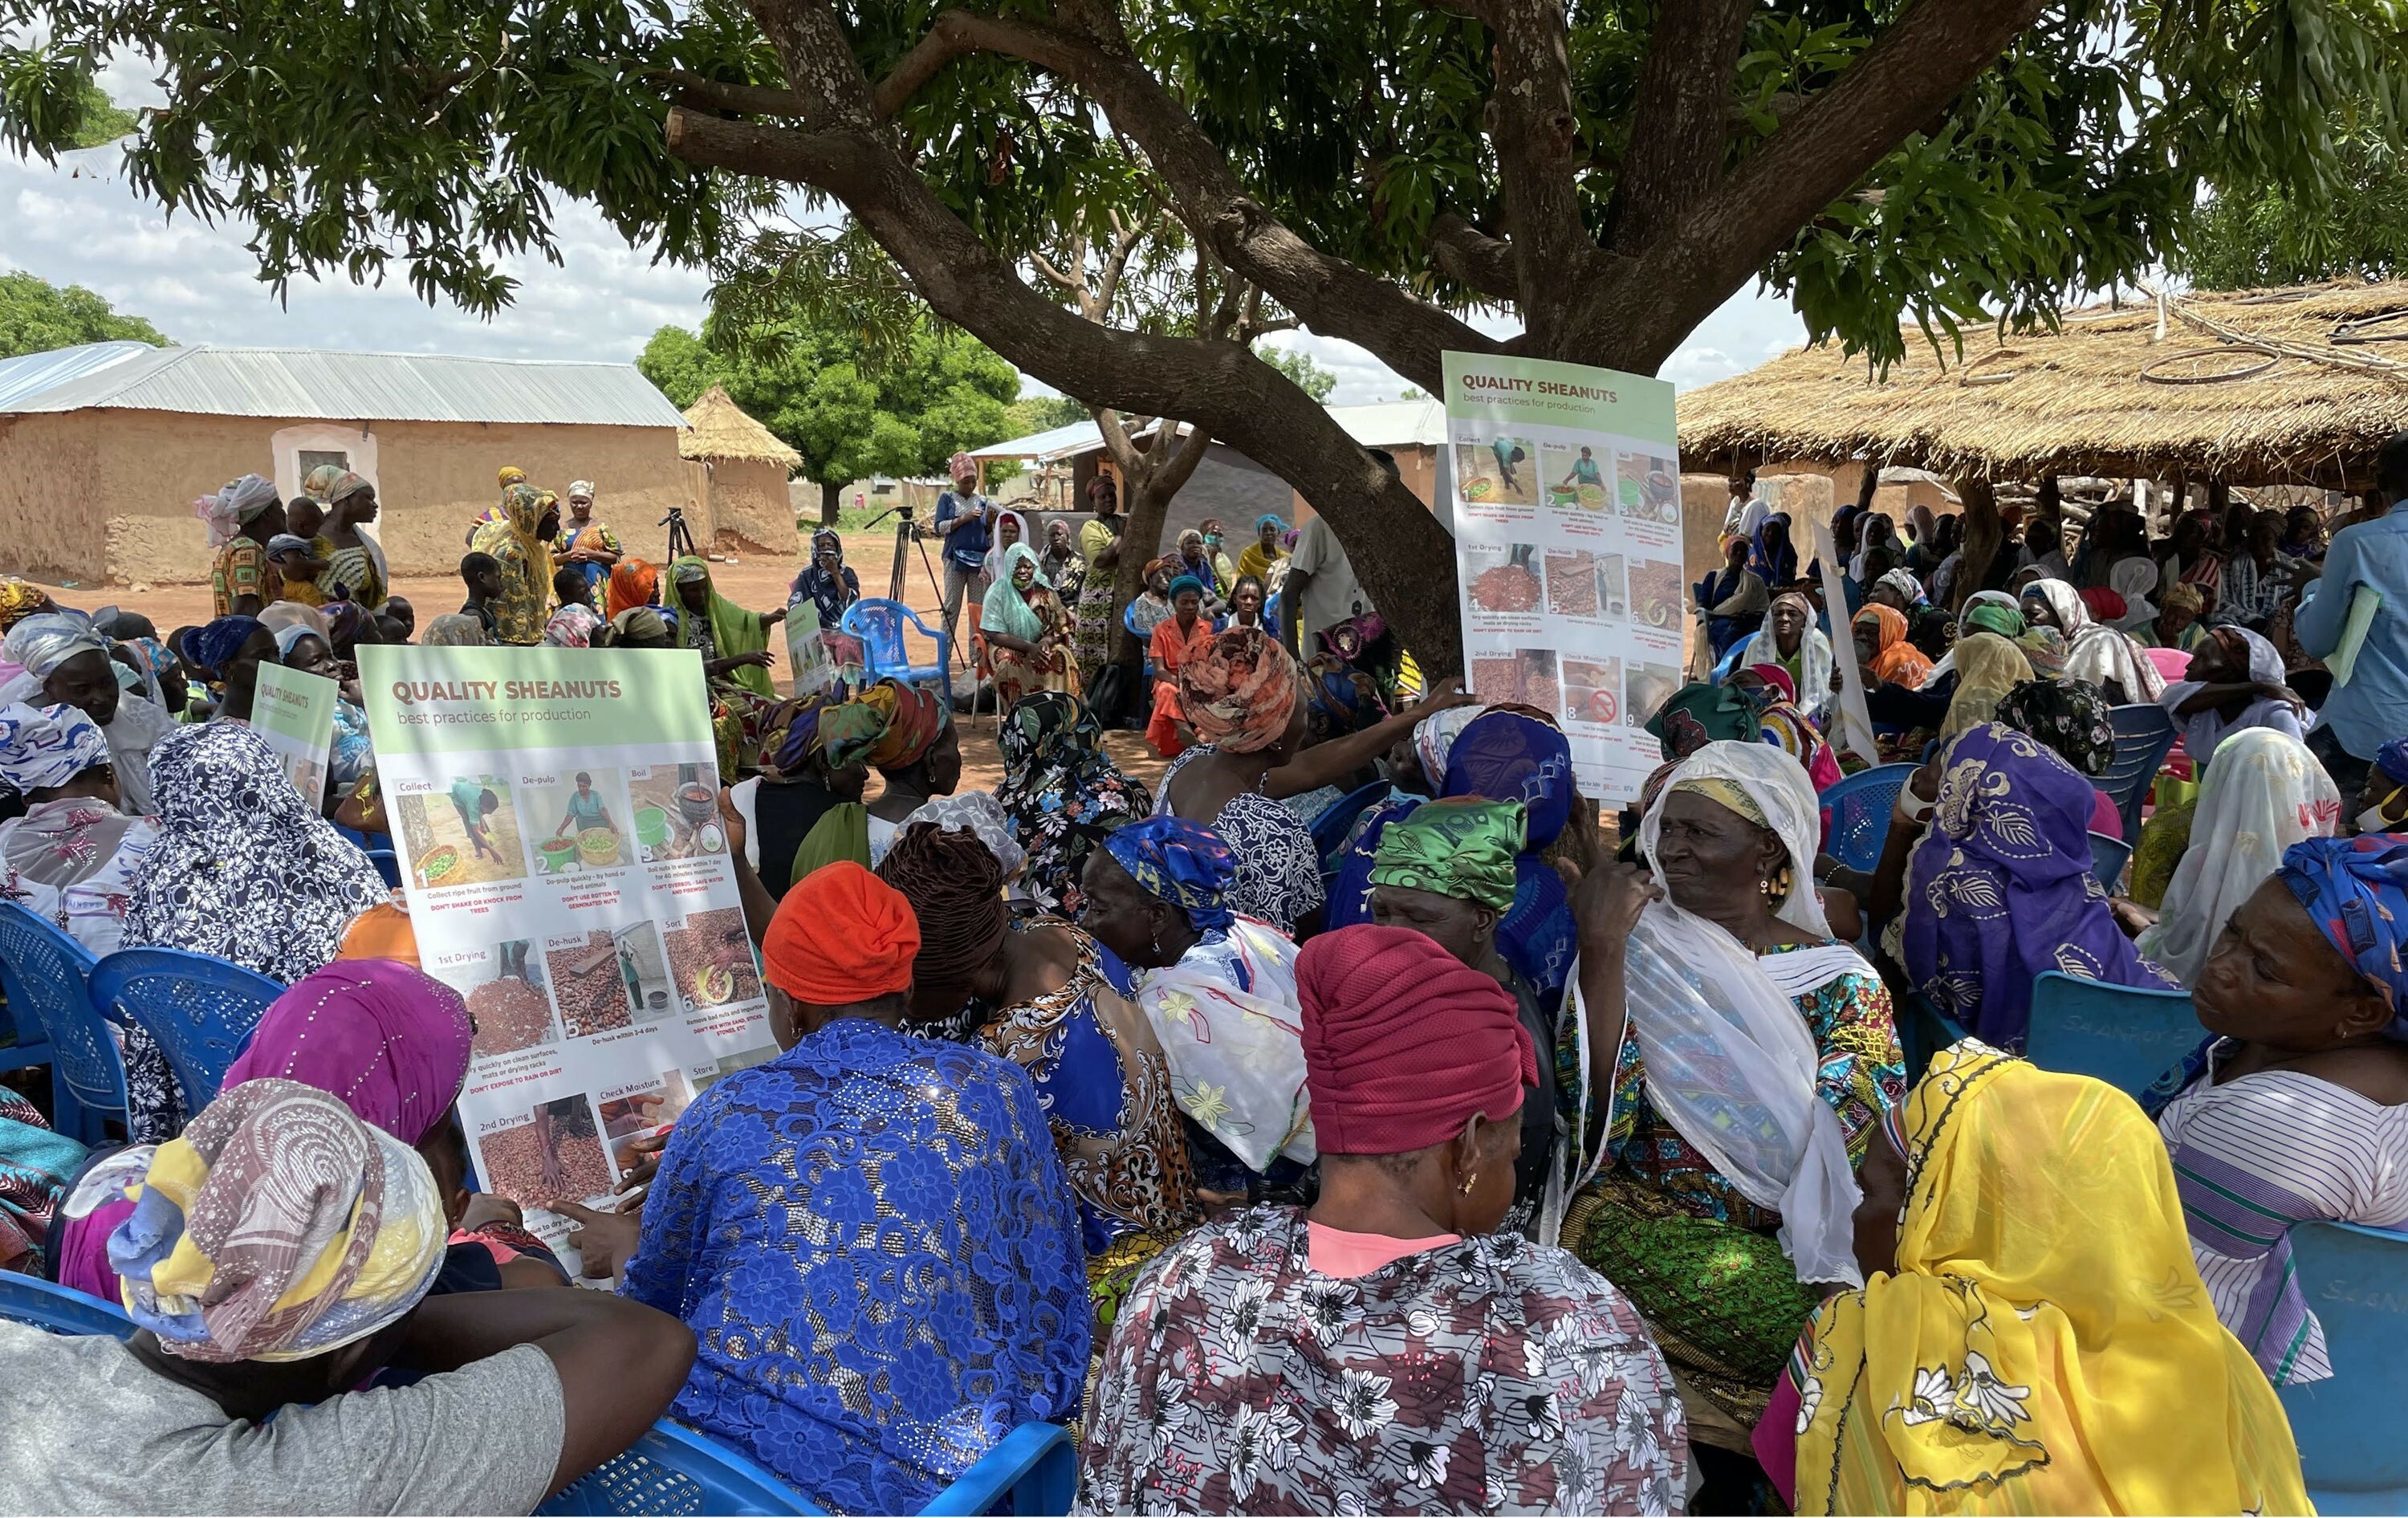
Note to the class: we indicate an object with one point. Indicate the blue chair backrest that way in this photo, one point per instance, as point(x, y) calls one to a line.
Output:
point(200, 1011)
point(48, 974)
point(674, 1469)
point(2107, 859)
point(388, 865)
point(1329, 829)
point(2356, 1282)
point(60, 1309)
point(2144, 733)
point(1859, 806)
point(879, 625)
point(2125, 1036)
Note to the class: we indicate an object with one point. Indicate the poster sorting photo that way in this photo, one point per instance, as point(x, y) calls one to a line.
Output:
point(556, 812)
point(1567, 549)
point(294, 713)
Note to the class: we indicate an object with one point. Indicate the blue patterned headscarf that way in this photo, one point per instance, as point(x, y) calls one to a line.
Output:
point(2356, 890)
point(1180, 863)
point(42, 748)
point(214, 646)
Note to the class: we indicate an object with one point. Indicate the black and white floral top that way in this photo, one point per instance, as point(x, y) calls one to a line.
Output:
point(1279, 868)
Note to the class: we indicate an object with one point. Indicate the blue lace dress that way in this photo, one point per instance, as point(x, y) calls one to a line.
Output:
point(876, 1248)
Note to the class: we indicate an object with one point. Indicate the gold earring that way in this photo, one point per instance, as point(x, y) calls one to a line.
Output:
point(1776, 886)
point(1468, 1182)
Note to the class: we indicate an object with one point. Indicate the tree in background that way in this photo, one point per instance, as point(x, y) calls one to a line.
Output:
point(36, 316)
point(1608, 173)
point(1301, 371)
point(938, 391)
point(2278, 234)
point(1033, 414)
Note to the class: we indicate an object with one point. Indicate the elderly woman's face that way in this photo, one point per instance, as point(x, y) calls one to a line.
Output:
point(1007, 532)
point(1024, 574)
point(1158, 581)
point(2039, 613)
point(828, 556)
point(2275, 979)
point(1715, 862)
point(1888, 595)
point(1868, 641)
point(1462, 928)
point(1120, 915)
point(1789, 625)
point(87, 683)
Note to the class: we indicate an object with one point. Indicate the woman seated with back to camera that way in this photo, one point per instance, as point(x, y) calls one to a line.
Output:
point(869, 1234)
point(2295, 1109)
point(1385, 1350)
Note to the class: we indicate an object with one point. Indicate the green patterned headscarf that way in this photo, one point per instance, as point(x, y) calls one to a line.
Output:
point(1461, 847)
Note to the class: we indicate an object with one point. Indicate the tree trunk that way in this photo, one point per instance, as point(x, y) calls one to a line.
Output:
point(1148, 507)
point(831, 502)
point(1984, 539)
point(1866, 486)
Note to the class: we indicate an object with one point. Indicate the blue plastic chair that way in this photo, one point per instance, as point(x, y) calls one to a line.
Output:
point(675, 1470)
point(200, 1011)
point(1923, 1030)
point(1329, 829)
point(1144, 642)
point(879, 625)
point(2107, 859)
point(49, 975)
point(1859, 807)
point(60, 1309)
point(388, 865)
point(2144, 733)
point(2126, 1036)
point(2349, 1427)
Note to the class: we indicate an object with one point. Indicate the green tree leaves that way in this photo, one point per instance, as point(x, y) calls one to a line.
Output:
point(36, 317)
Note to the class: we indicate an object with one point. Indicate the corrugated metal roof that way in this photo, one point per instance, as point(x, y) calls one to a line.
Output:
point(28, 374)
point(379, 387)
point(1388, 424)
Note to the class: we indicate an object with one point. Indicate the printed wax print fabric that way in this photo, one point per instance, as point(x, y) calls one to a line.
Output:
point(876, 1249)
point(1279, 869)
point(1485, 1374)
point(1062, 794)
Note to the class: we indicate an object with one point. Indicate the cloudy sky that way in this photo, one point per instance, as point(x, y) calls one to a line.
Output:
point(79, 222)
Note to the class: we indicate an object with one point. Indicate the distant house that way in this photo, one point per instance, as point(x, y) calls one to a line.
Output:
point(738, 472)
point(104, 447)
point(1228, 484)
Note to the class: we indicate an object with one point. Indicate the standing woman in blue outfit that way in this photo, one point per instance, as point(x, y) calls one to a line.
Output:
point(869, 1234)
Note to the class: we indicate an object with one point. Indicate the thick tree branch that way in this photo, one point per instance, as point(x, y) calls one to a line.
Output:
point(692, 88)
point(1679, 123)
point(1905, 80)
point(1472, 258)
point(1531, 125)
point(1328, 295)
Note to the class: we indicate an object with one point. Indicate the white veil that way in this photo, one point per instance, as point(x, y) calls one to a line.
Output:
point(1729, 1061)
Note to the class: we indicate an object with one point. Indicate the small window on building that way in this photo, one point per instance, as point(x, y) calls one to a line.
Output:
point(312, 461)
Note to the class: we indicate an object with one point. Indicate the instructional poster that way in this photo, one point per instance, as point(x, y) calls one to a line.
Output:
point(1567, 549)
point(807, 651)
point(294, 712)
point(556, 812)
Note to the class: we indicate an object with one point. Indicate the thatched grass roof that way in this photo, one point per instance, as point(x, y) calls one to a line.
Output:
point(2264, 387)
point(718, 428)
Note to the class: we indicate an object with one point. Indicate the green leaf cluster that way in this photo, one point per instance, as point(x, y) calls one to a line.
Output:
point(36, 316)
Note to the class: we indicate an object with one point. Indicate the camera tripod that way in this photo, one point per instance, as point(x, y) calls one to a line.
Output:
point(906, 536)
point(681, 535)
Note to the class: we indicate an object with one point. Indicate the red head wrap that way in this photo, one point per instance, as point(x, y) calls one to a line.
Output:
point(842, 936)
point(1403, 1043)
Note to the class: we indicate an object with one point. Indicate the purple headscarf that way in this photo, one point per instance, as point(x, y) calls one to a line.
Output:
point(388, 1040)
point(1999, 890)
point(1510, 756)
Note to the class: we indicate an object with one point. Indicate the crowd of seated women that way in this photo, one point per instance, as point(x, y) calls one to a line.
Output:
point(1336, 1125)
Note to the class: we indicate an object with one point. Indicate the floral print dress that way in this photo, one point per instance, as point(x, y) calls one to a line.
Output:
point(1483, 1375)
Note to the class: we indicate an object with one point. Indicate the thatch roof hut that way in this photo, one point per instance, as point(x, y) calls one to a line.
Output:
point(718, 428)
point(737, 471)
point(2267, 387)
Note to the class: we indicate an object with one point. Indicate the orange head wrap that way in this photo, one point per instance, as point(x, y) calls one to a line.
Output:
point(632, 583)
point(842, 936)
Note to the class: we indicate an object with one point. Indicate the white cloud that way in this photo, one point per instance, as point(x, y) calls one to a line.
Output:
point(80, 222)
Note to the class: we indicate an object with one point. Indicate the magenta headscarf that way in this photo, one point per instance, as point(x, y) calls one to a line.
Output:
point(388, 1041)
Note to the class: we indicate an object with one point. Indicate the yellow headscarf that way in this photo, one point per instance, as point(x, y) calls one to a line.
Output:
point(1987, 668)
point(527, 565)
point(2046, 1344)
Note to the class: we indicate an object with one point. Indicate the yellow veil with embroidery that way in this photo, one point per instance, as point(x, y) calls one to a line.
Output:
point(2045, 1344)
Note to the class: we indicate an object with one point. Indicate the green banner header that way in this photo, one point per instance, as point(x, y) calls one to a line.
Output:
point(491, 700)
point(1543, 392)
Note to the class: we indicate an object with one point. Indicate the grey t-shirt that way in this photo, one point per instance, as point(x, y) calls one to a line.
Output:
point(1335, 594)
point(91, 1429)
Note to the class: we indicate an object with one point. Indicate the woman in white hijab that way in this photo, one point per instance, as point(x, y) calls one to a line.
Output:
point(2235, 682)
point(64, 659)
point(1744, 1057)
point(2264, 793)
point(2094, 651)
point(2133, 578)
point(1790, 640)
